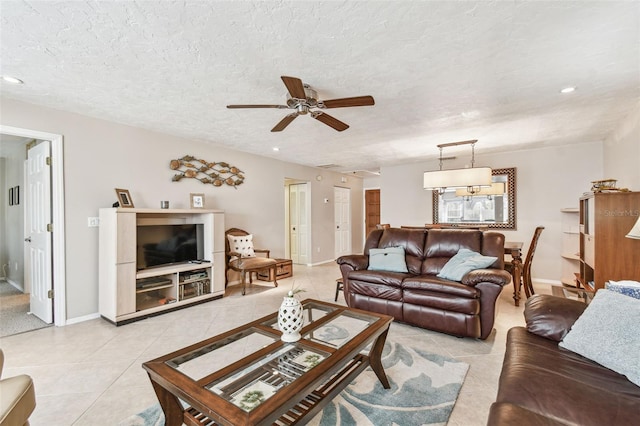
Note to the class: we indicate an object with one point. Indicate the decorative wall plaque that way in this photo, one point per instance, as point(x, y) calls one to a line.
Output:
point(214, 173)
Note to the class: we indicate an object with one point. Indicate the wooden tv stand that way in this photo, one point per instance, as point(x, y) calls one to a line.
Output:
point(127, 294)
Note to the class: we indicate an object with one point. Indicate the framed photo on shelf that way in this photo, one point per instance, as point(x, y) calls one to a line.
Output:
point(124, 198)
point(197, 201)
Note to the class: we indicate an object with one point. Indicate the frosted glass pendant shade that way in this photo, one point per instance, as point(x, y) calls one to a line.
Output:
point(496, 188)
point(458, 178)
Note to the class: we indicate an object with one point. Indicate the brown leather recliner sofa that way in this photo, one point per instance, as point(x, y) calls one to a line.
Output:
point(419, 297)
point(544, 384)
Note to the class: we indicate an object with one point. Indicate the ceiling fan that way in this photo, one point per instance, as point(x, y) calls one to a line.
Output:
point(302, 98)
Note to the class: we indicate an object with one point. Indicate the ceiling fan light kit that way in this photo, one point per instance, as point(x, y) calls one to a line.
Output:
point(304, 100)
point(473, 178)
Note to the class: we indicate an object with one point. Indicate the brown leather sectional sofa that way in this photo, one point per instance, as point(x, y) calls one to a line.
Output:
point(419, 297)
point(543, 384)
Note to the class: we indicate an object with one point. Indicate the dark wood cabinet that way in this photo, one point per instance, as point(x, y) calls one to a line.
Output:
point(605, 253)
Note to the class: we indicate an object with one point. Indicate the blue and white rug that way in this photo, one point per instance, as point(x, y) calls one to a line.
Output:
point(424, 389)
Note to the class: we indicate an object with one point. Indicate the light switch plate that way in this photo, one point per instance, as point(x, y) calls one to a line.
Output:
point(93, 222)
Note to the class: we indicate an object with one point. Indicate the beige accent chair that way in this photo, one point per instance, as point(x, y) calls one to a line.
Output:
point(17, 398)
point(250, 265)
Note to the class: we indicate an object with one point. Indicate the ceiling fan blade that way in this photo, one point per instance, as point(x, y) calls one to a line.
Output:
point(295, 87)
point(257, 106)
point(349, 102)
point(284, 122)
point(330, 121)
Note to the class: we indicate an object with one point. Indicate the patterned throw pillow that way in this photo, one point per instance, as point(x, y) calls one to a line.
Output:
point(242, 244)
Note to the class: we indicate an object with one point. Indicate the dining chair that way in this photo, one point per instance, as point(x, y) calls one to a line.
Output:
point(526, 266)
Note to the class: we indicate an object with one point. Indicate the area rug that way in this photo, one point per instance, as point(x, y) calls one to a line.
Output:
point(424, 389)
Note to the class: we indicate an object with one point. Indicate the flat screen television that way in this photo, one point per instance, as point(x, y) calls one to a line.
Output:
point(162, 245)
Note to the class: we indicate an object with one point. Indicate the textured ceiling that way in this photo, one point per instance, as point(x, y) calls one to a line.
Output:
point(440, 71)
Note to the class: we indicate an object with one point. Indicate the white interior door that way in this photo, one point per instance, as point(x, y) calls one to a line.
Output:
point(37, 236)
point(299, 228)
point(342, 215)
point(293, 223)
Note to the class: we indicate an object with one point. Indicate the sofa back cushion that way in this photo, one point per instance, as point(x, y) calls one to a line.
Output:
point(442, 244)
point(411, 240)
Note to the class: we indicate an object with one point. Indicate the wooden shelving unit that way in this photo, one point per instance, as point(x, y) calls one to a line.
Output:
point(570, 245)
point(605, 253)
point(127, 294)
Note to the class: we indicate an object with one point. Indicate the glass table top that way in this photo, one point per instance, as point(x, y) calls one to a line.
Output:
point(259, 364)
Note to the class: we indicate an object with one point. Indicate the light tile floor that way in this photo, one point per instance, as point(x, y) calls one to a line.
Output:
point(90, 373)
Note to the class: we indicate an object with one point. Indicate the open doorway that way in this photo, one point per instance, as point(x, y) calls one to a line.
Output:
point(20, 253)
point(15, 280)
point(371, 209)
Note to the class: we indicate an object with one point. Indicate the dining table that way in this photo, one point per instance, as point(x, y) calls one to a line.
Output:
point(514, 249)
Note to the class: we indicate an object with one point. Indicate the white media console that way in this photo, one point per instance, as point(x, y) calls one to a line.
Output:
point(128, 293)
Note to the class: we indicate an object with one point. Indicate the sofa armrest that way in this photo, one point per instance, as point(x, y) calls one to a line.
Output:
point(355, 261)
point(495, 276)
point(551, 316)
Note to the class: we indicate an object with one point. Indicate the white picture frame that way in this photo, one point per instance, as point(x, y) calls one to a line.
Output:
point(197, 200)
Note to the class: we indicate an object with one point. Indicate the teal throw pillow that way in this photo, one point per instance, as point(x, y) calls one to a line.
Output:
point(388, 259)
point(464, 262)
point(608, 332)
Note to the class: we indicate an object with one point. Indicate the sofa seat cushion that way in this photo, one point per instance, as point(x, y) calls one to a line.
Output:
point(393, 279)
point(379, 291)
point(508, 414)
point(562, 385)
point(431, 283)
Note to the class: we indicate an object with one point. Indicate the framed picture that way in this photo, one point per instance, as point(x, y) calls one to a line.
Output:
point(16, 195)
point(10, 196)
point(124, 198)
point(197, 201)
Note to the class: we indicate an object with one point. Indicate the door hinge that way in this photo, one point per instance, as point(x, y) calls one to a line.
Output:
point(49, 227)
point(48, 161)
point(50, 294)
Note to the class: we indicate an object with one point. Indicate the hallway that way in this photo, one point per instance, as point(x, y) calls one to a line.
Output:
point(14, 312)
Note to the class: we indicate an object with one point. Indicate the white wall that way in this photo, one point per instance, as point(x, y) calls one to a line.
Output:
point(100, 156)
point(548, 179)
point(622, 152)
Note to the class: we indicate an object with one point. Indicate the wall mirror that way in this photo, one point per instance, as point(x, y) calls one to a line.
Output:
point(485, 210)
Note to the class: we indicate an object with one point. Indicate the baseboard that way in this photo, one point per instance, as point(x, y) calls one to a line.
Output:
point(539, 280)
point(82, 319)
point(324, 262)
point(15, 284)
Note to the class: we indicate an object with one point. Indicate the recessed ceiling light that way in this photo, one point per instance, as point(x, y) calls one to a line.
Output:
point(568, 89)
point(12, 80)
point(276, 149)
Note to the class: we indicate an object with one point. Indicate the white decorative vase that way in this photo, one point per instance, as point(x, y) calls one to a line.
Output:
point(290, 319)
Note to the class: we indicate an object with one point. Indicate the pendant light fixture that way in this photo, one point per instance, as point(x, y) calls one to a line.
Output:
point(472, 178)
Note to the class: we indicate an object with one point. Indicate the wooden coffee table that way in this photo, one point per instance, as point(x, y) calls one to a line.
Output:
point(248, 376)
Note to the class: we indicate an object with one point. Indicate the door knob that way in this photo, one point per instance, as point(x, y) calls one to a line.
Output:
point(28, 239)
